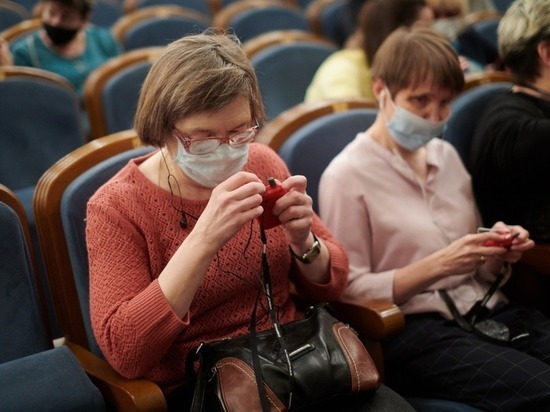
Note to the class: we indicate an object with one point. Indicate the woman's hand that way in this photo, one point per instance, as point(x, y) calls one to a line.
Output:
point(233, 203)
point(464, 255)
point(471, 251)
point(520, 244)
point(295, 211)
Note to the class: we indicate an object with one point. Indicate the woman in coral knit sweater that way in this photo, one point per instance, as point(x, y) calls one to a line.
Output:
point(174, 239)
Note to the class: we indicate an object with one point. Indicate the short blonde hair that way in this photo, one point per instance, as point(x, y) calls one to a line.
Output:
point(409, 57)
point(195, 74)
point(525, 24)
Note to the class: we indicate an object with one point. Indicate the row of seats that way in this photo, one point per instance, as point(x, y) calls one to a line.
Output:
point(33, 374)
point(247, 17)
point(59, 205)
point(62, 192)
point(106, 10)
point(111, 94)
point(329, 18)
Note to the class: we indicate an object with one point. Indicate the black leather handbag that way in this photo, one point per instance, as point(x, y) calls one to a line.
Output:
point(297, 364)
point(327, 359)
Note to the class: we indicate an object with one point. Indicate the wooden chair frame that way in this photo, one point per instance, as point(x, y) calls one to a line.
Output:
point(19, 30)
point(130, 19)
point(33, 72)
point(276, 131)
point(8, 197)
point(258, 43)
point(226, 14)
point(494, 76)
point(119, 393)
point(314, 12)
point(16, 8)
point(477, 16)
point(96, 81)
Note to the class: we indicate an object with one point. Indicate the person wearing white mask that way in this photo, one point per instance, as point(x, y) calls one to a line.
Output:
point(174, 238)
point(401, 202)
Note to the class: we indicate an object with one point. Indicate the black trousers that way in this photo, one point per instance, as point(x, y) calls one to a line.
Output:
point(434, 358)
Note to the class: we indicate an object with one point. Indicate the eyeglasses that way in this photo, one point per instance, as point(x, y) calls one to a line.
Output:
point(206, 145)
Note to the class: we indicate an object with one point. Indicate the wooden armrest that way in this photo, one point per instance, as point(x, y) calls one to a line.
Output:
point(373, 320)
point(120, 394)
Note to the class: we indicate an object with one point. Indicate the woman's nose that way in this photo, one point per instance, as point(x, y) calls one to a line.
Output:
point(437, 114)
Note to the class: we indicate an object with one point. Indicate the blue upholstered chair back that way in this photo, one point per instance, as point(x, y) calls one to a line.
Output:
point(33, 375)
point(160, 31)
point(479, 42)
point(502, 5)
point(255, 21)
point(73, 214)
point(465, 112)
point(309, 150)
point(106, 12)
point(40, 122)
point(199, 5)
point(121, 94)
point(22, 330)
point(28, 4)
point(333, 20)
point(285, 71)
point(12, 13)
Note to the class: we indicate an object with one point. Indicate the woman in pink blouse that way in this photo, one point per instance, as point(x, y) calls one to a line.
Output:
point(401, 203)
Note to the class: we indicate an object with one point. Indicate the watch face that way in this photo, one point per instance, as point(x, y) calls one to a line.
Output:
point(312, 252)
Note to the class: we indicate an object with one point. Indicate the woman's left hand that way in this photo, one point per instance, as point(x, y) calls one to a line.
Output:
point(295, 211)
point(521, 243)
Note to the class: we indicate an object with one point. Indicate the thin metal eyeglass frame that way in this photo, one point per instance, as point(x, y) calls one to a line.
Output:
point(186, 140)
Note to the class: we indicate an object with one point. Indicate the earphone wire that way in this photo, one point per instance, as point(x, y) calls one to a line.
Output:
point(183, 220)
point(183, 224)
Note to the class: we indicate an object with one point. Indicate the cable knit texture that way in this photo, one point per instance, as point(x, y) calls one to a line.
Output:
point(132, 232)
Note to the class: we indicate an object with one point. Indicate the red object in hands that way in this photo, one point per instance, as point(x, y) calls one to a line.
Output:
point(273, 191)
point(504, 242)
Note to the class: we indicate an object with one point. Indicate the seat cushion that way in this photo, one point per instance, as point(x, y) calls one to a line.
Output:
point(48, 381)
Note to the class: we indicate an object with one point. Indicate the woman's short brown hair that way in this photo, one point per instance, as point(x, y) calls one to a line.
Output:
point(195, 74)
point(84, 7)
point(409, 57)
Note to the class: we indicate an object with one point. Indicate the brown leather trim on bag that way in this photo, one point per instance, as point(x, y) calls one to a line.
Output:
point(363, 372)
point(237, 387)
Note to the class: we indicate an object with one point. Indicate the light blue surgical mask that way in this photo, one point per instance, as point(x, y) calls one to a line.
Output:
point(409, 130)
point(211, 169)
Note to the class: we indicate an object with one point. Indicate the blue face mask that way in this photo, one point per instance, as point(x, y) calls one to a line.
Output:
point(411, 131)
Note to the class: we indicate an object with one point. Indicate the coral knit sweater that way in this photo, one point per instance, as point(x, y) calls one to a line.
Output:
point(132, 232)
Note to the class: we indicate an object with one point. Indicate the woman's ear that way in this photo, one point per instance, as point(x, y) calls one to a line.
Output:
point(543, 49)
point(378, 88)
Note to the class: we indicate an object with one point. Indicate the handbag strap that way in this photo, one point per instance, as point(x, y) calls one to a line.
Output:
point(200, 382)
point(459, 319)
point(198, 395)
point(278, 331)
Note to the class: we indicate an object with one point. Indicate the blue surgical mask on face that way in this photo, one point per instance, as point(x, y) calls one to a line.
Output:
point(409, 130)
point(213, 168)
